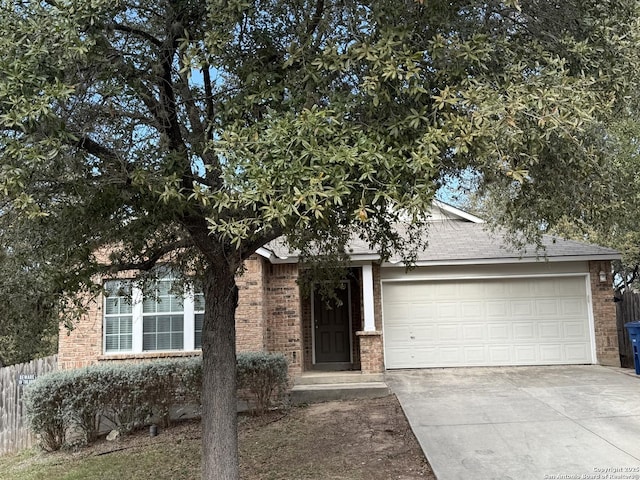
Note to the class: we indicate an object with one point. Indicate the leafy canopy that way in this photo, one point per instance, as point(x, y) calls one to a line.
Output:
point(196, 131)
point(159, 126)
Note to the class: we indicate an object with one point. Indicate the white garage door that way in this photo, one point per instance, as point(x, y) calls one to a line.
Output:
point(525, 321)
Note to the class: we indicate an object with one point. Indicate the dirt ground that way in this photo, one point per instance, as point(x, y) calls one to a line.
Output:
point(347, 440)
point(360, 439)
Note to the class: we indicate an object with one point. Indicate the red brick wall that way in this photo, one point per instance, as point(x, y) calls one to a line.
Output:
point(604, 314)
point(371, 355)
point(82, 346)
point(283, 314)
point(250, 331)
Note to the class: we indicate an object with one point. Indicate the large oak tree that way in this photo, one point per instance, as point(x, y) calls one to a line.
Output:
point(195, 131)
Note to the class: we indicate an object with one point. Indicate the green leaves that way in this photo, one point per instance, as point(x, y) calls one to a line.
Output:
point(246, 123)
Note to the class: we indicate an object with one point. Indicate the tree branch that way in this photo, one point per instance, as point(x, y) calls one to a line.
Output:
point(135, 31)
point(151, 260)
point(315, 20)
point(96, 149)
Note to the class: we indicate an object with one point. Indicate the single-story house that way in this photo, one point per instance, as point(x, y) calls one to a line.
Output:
point(469, 301)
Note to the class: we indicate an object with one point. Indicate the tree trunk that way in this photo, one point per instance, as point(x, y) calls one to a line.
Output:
point(219, 403)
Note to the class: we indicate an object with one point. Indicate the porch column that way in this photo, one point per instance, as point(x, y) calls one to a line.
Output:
point(367, 298)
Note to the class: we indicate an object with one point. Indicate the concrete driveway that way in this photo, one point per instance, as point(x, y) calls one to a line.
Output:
point(560, 422)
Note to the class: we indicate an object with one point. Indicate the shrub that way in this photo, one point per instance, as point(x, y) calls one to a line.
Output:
point(130, 394)
point(262, 378)
point(46, 408)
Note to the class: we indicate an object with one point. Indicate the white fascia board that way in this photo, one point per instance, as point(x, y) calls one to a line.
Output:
point(273, 258)
point(368, 257)
point(265, 252)
point(501, 261)
point(457, 212)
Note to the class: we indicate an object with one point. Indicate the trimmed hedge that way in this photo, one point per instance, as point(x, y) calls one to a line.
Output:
point(129, 395)
point(261, 378)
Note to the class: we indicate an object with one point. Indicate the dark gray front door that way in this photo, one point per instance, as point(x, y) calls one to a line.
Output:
point(332, 329)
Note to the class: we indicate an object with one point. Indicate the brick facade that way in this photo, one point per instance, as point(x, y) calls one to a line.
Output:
point(284, 328)
point(371, 352)
point(272, 316)
point(252, 304)
point(82, 346)
point(604, 314)
point(274, 298)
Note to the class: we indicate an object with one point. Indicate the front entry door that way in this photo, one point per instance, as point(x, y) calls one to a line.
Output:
point(332, 329)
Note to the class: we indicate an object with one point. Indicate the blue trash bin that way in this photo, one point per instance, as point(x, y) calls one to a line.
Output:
point(634, 335)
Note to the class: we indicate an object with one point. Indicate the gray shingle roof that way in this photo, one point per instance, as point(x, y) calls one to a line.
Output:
point(455, 241)
point(458, 241)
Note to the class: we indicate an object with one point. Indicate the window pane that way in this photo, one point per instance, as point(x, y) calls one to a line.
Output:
point(112, 344)
point(149, 324)
point(163, 341)
point(111, 306)
point(118, 336)
point(163, 324)
point(198, 302)
point(112, 325)
point(149, 305)
point(149, 341)
point(160, 298)
point(126, 326)
point(199, 318)
point(177, 341)
point(163, 332)
point(126, 342)
point(117, 296)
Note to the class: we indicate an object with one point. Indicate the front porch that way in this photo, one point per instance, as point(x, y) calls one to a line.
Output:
point(323, 386)
point(346, 337)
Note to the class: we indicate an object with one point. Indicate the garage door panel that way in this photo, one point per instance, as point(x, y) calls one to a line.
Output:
point(524, 331)
point(522, 308)
point(576, 352)
point(443, 292)
point(486, 322)
point(475, 355)
point(525, 354)
point(573, 306)
point(498, 332)
point(547, 307)
point(471, 310)
point(573, 330)
point(448, 333)
point(474, 333)
point(498, 354)
point(446, 310)
point(496, 309)
point(550, 330)
point(551, 353)
point(426, 311)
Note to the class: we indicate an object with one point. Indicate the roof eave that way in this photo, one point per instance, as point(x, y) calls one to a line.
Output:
point(456, 212)
point(506, 260)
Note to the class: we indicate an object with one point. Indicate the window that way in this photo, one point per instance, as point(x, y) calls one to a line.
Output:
point(157, 319)
point(163, 318)
point(198, 311)
point(118, 317)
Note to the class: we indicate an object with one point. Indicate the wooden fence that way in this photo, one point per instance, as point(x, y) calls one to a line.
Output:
point(628, 310)
point(14, 431)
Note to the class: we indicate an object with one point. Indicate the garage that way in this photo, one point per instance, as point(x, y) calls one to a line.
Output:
point(487, 322)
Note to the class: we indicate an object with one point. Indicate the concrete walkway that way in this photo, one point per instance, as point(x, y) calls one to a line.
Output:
point(524, 422)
